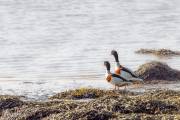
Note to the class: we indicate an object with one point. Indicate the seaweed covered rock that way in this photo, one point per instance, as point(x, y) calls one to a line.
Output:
point(129, 105)
point(90, 115)
point(143, 106)
point(156, 104)
point(90, 93)
point(82, 114)
point(8, 102)
point(38, 110)
point(159, 52)
point(154, 107)
point(79, 94)
point(147, 117)
point(167, 96)
point(163, 94)
point(157, 71)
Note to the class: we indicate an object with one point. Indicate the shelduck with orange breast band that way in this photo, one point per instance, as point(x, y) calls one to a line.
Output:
point(123, 71)
point(116, 80)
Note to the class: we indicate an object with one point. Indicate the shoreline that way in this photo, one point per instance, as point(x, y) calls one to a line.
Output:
point(149, 85)
point(158, 98)
point(92, 104)
point(156, 75)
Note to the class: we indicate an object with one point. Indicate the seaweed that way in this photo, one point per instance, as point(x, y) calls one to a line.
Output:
point(160, 52)
point(150, 105)
point(155, 70)
point(84, 93)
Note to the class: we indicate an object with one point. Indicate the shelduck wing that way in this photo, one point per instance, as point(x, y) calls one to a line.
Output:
point(136, 80)
point(120, 77)
point(129, 71)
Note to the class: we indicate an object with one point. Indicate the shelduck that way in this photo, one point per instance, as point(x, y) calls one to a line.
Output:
point(123, 71)
point(116, 80)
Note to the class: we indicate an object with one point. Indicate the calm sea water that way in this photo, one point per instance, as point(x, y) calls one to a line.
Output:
point(48, 46)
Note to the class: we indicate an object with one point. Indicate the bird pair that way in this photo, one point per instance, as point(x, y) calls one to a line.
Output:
point(122, 76)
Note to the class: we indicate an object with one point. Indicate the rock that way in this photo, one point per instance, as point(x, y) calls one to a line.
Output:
point(84, 93)
point(159, 52)
point(41, 113)
point(154, 104)
point(8, 102)
point(83, 114)
point(127, 105)
point(38, 110)
point(157, 71)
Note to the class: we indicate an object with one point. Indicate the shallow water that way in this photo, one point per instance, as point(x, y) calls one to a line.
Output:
point(49, 46)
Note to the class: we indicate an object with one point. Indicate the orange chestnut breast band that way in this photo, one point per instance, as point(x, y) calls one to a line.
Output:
point(109, 78)
point(118, 71)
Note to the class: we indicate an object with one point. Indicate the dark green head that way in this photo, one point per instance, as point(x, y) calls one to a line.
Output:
point(115, 54)
point(107, 64)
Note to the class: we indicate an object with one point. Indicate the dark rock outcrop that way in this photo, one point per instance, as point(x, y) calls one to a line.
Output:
point(159, 52)
point(151, 104)
point(157, 71)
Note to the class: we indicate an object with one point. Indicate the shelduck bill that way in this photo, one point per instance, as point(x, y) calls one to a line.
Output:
point(114, 79)
point(123, 71)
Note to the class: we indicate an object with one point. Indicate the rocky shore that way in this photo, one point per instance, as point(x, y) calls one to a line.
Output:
point(99, 104)
point(155, 70)
point(158, 52)
point(95, 104)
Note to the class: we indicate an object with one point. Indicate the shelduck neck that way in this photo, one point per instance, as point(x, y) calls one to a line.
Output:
point(116, 57)
point(118, 64)
point(108, 72)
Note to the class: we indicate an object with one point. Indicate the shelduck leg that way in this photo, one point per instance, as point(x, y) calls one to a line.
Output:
point(114, 87)
point(125, 89)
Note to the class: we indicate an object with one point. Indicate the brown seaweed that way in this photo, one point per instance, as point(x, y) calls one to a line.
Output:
point(159, 52)
point(155, 70)
point(154, 104)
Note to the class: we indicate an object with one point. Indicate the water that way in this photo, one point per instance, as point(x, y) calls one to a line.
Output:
point(52, 45)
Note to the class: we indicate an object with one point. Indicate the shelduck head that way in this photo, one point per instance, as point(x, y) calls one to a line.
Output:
point(108, 73)
point(115, 54)
point(107, 65)
point(118, 66)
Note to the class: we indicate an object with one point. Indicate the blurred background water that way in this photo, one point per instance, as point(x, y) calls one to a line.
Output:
point(51, 45)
